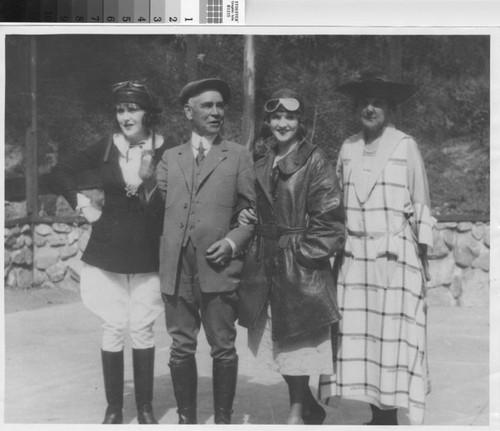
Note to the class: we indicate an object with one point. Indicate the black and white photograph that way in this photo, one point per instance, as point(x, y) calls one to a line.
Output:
point(249, 226)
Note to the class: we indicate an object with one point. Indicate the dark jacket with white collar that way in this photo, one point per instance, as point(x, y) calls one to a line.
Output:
point(125, 239)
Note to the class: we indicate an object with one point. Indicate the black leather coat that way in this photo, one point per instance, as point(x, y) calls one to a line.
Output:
point(301, 226)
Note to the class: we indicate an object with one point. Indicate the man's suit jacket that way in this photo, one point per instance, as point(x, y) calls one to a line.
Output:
point(201, 203)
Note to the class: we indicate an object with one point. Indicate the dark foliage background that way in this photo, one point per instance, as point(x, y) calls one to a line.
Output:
point(449, 116)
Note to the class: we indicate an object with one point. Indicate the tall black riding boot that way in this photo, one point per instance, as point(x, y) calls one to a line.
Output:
point(185, 382)
point(112, 366)
point(144, 371)
point(383, 417)
point(225, 374)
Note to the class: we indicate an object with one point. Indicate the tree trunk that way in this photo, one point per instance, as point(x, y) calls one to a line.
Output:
point(192, 57)
point(395, 68)
point(248, 93)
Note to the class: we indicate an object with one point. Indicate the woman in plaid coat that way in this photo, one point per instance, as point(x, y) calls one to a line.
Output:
point(381, 356)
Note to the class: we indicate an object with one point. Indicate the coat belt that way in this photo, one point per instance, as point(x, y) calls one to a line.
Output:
point(274, 231)
point(376, 235)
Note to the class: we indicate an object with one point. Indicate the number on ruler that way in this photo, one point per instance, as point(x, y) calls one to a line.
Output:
point(172, 19)
point(79, 18)
point(157, 19)
point(110, 19)
point(141, 19)
point(95, 18)
point(126, 19)
point(64, 18)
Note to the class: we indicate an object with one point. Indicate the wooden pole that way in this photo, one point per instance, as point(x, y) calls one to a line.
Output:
point(395, 66)
point(248, 93)
point(31, 140)
point(32, 152)
point(192, 57)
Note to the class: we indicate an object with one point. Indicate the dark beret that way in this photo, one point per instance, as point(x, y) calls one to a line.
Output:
point(197, 87)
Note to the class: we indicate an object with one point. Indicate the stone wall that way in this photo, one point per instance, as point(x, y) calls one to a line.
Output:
point(55, 249)
point(459, 262)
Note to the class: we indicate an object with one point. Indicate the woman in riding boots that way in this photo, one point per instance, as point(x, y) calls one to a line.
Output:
point(119, 281)
point(287, 293)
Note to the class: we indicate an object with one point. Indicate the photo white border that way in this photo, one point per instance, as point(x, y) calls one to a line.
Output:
point(340, 18)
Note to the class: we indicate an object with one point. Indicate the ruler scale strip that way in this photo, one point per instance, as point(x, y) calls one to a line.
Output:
point(184, 12)
point(125, 11)
point(110, 11)
point(94, 10)
point(78, 11)
point(48, 9)
point(63, 10)
point(173, 9)
point(141, 11)
point(157, 11)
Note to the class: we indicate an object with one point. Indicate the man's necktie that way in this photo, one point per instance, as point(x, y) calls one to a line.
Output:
point(201, 154)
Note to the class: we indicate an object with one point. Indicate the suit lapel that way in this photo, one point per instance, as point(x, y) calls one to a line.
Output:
point(186, 162)
point(217, 153)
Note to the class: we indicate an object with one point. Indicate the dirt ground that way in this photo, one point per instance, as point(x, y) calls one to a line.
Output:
point(30, 299)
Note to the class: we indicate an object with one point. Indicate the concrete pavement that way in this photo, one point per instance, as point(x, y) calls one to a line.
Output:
point(53, 373)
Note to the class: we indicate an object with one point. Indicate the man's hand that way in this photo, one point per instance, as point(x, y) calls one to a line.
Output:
point(91, 214)
point(219, 252)
point(247, 216)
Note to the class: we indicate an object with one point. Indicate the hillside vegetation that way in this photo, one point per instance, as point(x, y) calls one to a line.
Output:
point(449, 116)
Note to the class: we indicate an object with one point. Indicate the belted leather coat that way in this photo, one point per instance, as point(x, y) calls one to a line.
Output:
point(300, 227)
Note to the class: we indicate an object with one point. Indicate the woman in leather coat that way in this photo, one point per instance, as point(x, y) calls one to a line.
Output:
point(119, 281)
point(287, 293)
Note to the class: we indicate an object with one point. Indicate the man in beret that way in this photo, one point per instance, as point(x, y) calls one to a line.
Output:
point(204, 183)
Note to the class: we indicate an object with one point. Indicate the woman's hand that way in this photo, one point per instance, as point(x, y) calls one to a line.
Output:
point(91, 214)
point(425, 262)
point(247, 216)
point(147, 168)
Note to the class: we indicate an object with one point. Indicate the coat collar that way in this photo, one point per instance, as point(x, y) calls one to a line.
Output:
point(289, 164)
point(389, 140)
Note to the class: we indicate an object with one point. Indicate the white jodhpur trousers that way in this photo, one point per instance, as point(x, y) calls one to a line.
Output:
point(122, 301)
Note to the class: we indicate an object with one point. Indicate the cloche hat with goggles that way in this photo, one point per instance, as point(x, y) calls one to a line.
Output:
point(134, 92)
point(286, 98)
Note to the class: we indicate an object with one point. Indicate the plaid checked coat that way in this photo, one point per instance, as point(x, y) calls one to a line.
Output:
point(381, 356)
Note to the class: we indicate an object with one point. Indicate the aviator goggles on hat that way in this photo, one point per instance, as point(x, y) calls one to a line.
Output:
point(130, 85)
point(289, 103)
point(134, 92)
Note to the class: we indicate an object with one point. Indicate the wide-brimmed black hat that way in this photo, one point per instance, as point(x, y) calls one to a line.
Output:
point(380, 87)
point(197, 87)
point(134, 92)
